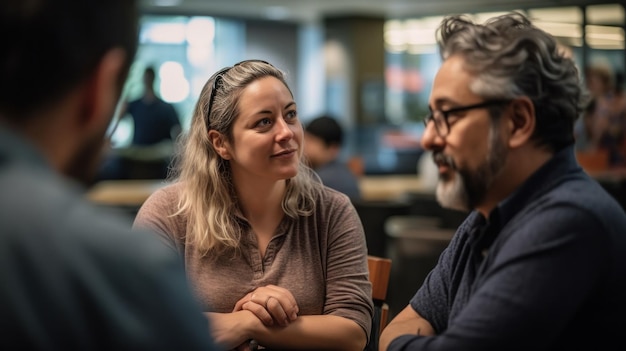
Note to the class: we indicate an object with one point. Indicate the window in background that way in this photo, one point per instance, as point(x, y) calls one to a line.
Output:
point(185, 51)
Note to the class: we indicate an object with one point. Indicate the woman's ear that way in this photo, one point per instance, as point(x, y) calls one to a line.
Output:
point(522, 121)
point(219, 144)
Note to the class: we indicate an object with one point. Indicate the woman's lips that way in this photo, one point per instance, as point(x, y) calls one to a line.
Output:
point(284, 154)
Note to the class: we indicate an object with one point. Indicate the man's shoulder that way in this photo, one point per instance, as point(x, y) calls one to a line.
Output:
point(60, 253)
point(579, 191)
point(44, 209)
point(574, 201)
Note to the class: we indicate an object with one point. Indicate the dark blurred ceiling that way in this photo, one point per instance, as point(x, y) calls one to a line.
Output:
point(315, 10)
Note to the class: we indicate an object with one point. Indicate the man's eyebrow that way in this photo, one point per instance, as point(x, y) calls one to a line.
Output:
point(444, 100)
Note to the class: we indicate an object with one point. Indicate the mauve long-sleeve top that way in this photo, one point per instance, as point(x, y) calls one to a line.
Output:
point(321, 259)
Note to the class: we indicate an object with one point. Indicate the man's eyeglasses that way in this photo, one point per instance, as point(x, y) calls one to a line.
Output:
point(442, 125)
point(217, 81)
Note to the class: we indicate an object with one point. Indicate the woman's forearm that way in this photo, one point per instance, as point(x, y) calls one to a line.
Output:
point(319, 332)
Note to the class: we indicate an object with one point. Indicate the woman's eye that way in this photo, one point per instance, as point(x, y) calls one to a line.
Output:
point(264, 122)
point(292, 114)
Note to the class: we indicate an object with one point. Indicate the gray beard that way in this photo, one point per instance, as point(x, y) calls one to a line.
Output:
point(467, 189)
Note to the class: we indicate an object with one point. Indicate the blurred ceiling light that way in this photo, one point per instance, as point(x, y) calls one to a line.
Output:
point(482, 17)
point(200, 31)
point(277, 13)
point(606, 14)
point(394, 33)
point(419, 32)
point(174, 86)
point(163, 33)
point(608, 32)
point(166, 3)
point(422, 49)
point(563, 14)
point(412, 35)
point(198, 56)
point(566, 30)
point(605, 37)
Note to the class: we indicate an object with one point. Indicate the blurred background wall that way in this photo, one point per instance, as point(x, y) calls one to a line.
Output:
point(370, 62)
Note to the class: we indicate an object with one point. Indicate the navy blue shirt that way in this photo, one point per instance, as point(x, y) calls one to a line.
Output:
point(338, 176)
point(154, 121)
point(545, 271)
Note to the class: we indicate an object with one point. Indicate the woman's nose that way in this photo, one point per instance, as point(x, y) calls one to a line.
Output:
point(284, 130)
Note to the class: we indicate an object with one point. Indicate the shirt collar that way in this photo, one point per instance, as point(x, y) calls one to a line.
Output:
point(563, 162)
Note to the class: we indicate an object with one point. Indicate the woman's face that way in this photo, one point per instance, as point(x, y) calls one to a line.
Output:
point(267, 134)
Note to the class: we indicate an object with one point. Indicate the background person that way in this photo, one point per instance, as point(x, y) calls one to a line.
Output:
point(543, 252)
point(322, 148)
point(272, 254)
point(155, 120)
point(73, 278)
point(607, 119)
point(156, 127)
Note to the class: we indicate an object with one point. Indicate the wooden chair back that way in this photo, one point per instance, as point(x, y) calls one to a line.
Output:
point(593, 161)
point(379, 272)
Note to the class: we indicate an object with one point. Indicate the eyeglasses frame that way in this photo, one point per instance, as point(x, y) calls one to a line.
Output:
point(445, 114)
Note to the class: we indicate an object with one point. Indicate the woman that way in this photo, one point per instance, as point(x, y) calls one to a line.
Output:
point(274, 256)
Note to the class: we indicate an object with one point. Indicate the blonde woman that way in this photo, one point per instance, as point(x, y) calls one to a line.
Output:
point(274, 256)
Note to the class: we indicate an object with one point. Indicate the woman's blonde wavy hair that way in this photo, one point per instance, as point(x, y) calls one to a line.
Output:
point(208, 200)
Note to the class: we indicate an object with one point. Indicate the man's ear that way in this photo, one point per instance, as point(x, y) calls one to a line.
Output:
point(521, 123)
point(219, 144)
point(102, 91)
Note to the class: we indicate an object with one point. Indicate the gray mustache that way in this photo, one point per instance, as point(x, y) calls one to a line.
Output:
point(440, 158)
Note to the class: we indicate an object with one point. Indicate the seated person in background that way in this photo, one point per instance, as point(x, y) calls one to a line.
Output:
point(540, 262)
point(72, 277)
point(606, 119)
point(273, 256)
point(322, 147)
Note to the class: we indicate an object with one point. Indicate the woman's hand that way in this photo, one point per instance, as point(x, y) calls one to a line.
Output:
point(233, 330)
point(271, 304)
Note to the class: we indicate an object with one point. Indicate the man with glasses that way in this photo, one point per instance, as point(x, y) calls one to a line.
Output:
point(540, 262)
point(71, 276)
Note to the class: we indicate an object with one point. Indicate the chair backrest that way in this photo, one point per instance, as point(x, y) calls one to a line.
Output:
point(379, 272)
point(593, 161)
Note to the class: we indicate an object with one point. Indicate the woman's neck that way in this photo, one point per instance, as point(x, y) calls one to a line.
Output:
point(260, 201)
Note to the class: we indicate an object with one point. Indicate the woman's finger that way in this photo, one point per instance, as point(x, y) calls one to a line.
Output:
point(260, 312)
